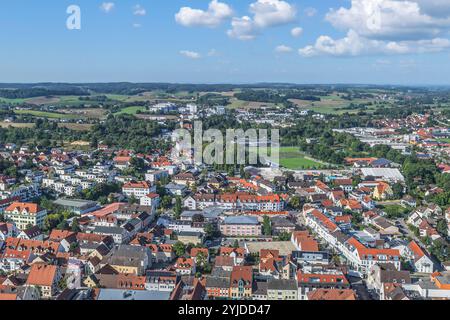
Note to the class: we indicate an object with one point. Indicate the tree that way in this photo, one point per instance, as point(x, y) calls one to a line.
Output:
point(179, 248)
point(441, 227)
point(75, 227)
point(296, 203)
point(397, 189)
point(267, 226)
point(178, 207)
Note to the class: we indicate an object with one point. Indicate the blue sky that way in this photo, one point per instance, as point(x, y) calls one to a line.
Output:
point(404, 43)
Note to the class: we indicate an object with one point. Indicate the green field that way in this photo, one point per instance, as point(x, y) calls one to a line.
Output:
point(292, 158)
point(131, 110)
point(13, 101)
point(44, 114)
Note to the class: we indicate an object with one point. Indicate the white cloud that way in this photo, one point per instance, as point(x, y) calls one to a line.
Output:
point(266, 13)
point(107, 6)
point(217, 13)
point(310, 12)
point(137, 25)
point(190, 54)
point(386, 26)
point(283, 49)
point(138, 10)
point(243, 29)
point(354, 44)
point(388, 19)
point(297, 32)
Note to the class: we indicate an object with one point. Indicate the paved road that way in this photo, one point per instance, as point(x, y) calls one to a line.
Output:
point(359, 286)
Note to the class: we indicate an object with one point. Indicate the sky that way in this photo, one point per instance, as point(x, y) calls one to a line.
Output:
point(227, 41)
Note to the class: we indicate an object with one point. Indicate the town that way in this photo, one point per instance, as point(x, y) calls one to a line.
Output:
point(94, 205)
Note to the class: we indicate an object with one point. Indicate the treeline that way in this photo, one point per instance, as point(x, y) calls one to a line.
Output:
point(271, 96)
point(126, 131)
point(39, 92)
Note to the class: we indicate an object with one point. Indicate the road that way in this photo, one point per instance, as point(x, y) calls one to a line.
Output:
point(360, 287)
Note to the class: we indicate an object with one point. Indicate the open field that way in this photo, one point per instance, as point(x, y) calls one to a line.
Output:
point(92, 113)
point(331, 104)
point(16, 125)
point(240, 104)
point(292, 158)
point(44, 114)
point(82, 127)
point(131, 110)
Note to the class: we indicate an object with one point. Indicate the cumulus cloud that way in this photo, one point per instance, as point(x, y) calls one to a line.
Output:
point(268, 13)
point(107, 6)
point(297, 32)
point(265, 13)
point(190, 54)
point(385, 26)
point(354, 44)
point(283, 49)
point(243, 29)
point(217, 13)
point(138, 10)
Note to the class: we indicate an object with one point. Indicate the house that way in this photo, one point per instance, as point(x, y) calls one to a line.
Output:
point(45, 277)
point(331, 294)
point(237, 254)
point(382, 191)
point(33, 233)
point(164, 281)
point(240, 226)
point(176, 189)
point(303, 241)
point(282, 289)
point(150, 200)
point(381, 274)
point(241, 283)
point(313, 278)
point(138, 189)
point(420, 259)
point(385, 227)
point(185, 179)
point(185, 266)
point(12, 259)
point(25, 215)
point(218, 287)
point(282, 225)
point(129, 259)
point(272, 265)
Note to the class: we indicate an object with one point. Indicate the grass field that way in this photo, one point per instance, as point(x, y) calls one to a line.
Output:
point(131, 110)
point(16, 125)
point(44, 114)
point(82, 127)
point(331, 104)
point(292, 158)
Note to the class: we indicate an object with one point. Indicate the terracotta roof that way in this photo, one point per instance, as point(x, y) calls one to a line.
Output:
point(42, 275)
point(20, 206)
point(332, 294)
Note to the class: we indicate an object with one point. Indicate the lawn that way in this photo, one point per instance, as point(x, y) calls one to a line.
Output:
point(131, 110)
point(292, 158)
point(44, 114)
